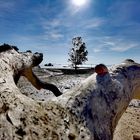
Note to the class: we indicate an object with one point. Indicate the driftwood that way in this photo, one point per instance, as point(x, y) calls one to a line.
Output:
point(25, 69)
point(88, 112)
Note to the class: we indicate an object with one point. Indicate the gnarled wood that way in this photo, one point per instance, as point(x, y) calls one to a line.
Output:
point(88, 112)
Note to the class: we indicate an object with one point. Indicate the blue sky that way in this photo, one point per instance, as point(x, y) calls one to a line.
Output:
point(110, 28)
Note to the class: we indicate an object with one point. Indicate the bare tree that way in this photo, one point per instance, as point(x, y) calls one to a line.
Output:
point(78, 53)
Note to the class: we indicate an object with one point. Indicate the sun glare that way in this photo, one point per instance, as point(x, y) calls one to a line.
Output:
point(79, 2)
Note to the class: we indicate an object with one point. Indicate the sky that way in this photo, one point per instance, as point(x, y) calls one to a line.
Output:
point(110, 28)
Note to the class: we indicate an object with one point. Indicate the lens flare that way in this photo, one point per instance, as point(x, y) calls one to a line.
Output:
point(79, 2)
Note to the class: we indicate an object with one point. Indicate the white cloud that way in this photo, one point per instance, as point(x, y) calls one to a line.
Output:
point(109, 43)
point(113, 44)
point(56, 35)
point(51, 29)
point(94, 23)
point(96, 50)
point(122, 47)
point(50, 24)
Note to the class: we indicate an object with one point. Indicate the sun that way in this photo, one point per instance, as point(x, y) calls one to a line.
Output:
point(79, 3)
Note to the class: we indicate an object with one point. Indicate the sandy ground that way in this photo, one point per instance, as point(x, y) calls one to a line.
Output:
point(128, 127)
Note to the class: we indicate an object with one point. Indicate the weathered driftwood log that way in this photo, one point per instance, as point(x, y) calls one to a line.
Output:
point(101, 100)
point(25, 69)
point(88, 112)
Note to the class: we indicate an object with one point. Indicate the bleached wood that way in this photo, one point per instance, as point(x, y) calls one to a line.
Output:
point(88, 112)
